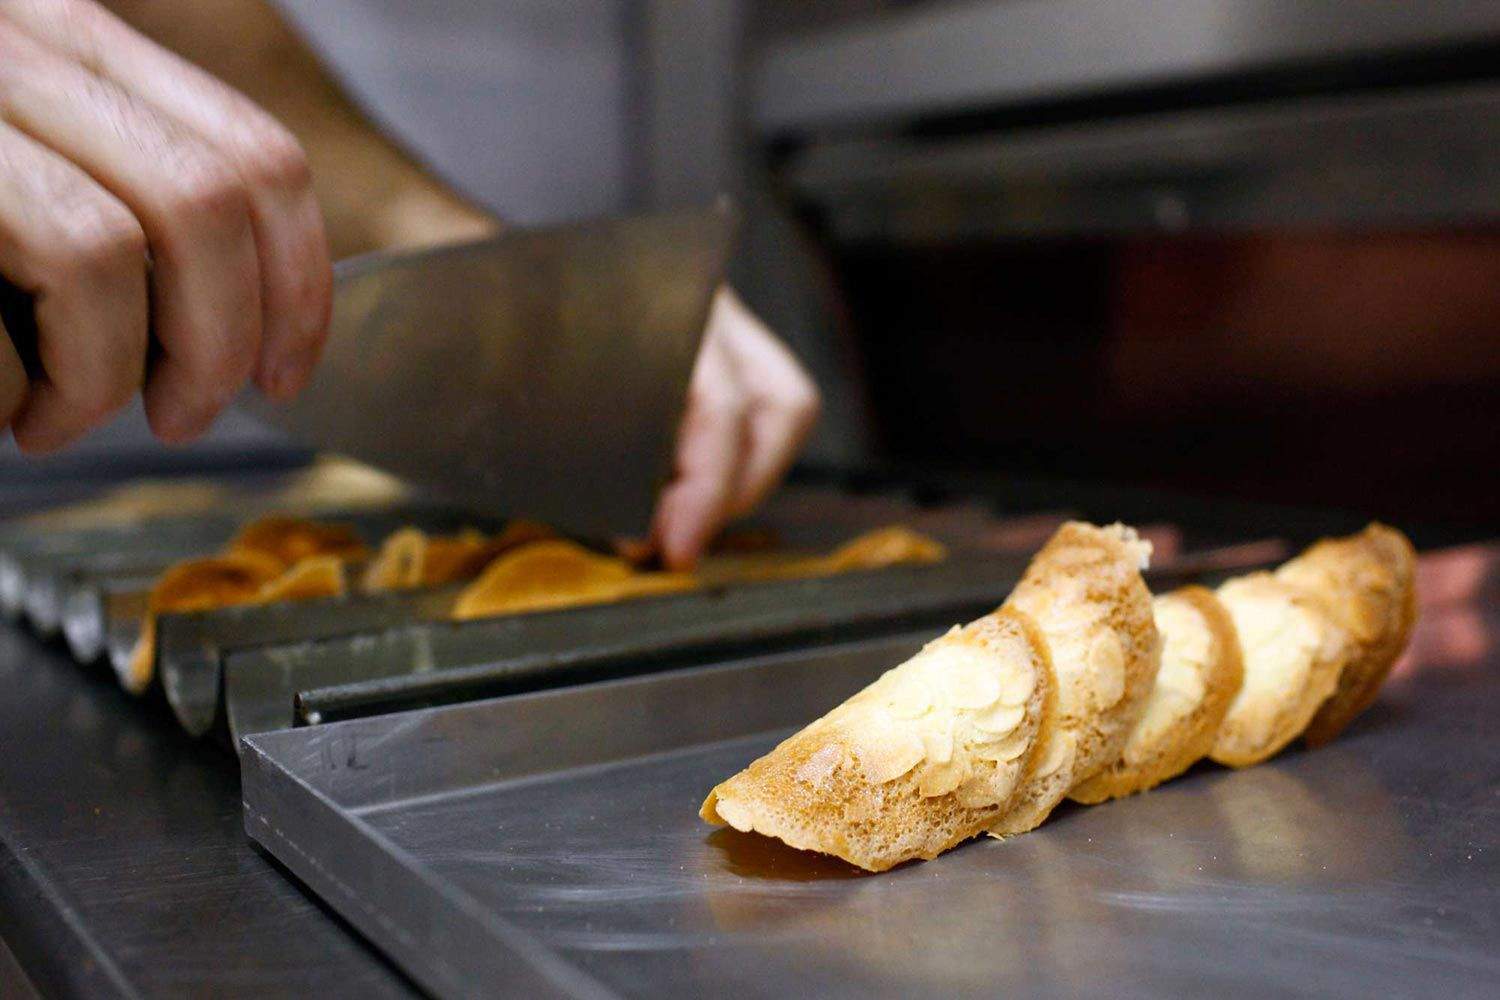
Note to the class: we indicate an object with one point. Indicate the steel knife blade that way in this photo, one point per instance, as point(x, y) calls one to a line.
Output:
point(540, 373)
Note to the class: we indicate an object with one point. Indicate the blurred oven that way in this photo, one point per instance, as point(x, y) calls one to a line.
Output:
point(1246, 247)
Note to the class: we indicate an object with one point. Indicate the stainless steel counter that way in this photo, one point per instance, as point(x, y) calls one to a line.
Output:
point(124, 867)
point(1370, 865)
point(548, 844)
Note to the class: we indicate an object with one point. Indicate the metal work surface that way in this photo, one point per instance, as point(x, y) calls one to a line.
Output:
point(551, 840)
point(454, 661)
point(124, 868)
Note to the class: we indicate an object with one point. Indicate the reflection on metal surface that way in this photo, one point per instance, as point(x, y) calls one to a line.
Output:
point(1369, 866)
point(1456, 589)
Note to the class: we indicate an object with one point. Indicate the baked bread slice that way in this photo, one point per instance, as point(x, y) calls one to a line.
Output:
point(924, 758)
point(1200, 674)
point(1293, 651)
point(1085, 593)
point(1367, 584)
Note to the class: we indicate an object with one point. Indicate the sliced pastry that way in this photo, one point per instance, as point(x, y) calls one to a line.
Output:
point(196, 585)
point(924, 758)
point(1085, 592)
point(290, 540)
point(558, 574)
point(273, 559)
point(883, 547)
point(411, 557)
point(313, 577)
point(1292, 650)
point(1366, 583)
point(893, 545)
point(1199, 676)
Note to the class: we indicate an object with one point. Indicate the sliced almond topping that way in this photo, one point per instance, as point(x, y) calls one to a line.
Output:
point(967, 680)
point(1017, 685)
point(893, 753)
point(1000, 719)
point(1005, 749)
point(940, 779)
point(985, 790)
point(938, 744)
point(909, 697)
point(1107, 661)
point(1059, 750)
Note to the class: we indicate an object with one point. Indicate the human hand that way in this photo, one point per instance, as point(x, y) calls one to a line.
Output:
point(750, 407)
point(139, 193)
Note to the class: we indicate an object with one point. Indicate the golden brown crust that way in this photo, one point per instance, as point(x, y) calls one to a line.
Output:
point(1201, 672)
point(1293, 653)
point(398, 563)
point(293, 539)
point(1273, 654)
point(921, 760)
point(883, 547)
point(196, 585)
point(1230, 672)
point(314, 577)
point(893, 545)
point(1367, 583)
point(308, 555)
point(558, 574)
point(1085, 592)
point(411, 558)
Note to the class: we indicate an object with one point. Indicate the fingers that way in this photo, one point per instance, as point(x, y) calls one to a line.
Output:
point(783, 401)
point(82, 255)
point(750, 408)
point(12, 379)
point(710, 452)
point(296, 278)
point(191, 205)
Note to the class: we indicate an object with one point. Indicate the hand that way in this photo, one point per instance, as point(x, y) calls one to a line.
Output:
point(137, 192)
point(750, 407)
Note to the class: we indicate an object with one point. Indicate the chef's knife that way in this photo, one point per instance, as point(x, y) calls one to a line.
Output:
point(540, 373)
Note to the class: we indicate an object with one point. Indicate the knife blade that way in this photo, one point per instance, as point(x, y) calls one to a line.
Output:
point(539, 373)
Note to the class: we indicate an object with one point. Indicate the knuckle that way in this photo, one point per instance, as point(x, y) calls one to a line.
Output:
point(210, 194)
point(718, 399)
point(275, 160)
point(100, 240)
point(797, 396)
point(807, 402)
point(719, 408)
